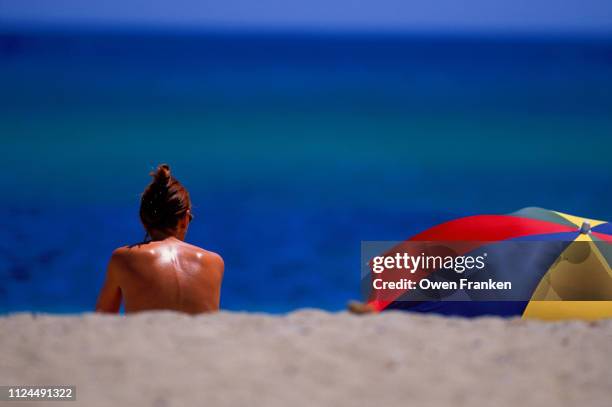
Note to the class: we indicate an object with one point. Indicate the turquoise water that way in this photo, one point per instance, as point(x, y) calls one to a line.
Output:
point(294, 147)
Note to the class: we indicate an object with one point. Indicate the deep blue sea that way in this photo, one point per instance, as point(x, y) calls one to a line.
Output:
point(295, 148)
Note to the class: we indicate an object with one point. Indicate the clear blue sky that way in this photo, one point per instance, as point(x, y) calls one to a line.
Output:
point(548, 16)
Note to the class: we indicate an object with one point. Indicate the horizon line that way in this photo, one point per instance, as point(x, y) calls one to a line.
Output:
point(8, 27)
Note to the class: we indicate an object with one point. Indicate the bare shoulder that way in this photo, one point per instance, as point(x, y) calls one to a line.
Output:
point(209, 259)
point(117, 263)
point(124, 254)
point(125, 251)
point(213, 259)
point(120, 253)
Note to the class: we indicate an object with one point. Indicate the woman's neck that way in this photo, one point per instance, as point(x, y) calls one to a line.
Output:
point(157, 235)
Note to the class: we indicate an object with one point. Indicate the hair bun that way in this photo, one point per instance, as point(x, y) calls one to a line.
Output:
point(162, 174)
point(164, 201)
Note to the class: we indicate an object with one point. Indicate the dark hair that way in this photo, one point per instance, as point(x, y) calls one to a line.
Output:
point(164, 201)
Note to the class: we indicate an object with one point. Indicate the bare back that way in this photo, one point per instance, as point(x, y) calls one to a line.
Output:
point(168, 274)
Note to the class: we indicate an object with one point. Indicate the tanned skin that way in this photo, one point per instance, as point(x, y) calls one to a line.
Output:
point(163, 274)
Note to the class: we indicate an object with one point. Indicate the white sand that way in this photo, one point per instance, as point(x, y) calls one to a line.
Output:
point(309, 358)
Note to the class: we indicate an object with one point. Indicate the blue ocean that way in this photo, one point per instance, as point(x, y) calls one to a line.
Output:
point(295, 148)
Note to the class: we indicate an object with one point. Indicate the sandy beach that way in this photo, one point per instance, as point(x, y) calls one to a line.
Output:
point(309, 358)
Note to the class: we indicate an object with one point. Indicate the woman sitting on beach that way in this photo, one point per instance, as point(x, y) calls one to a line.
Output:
point(163, 272)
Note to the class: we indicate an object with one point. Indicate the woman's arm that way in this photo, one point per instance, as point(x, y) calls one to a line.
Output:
point(109, 299)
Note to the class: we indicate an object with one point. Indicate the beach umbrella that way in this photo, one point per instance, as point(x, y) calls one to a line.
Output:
point(559, 265)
